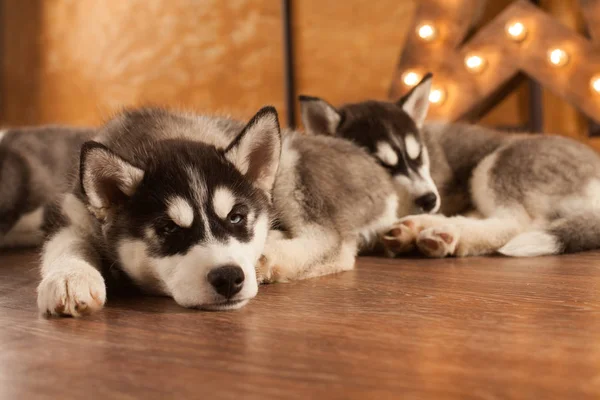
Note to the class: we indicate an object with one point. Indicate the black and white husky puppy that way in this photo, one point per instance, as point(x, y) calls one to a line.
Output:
point(204, 208)
point(34, 166)
point(525, 195)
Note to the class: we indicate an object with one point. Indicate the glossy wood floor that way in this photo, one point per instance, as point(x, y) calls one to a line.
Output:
point(471, 328)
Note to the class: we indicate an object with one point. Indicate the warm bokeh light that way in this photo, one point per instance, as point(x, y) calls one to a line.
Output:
point(427, 31)
point(437, 95)
point(475, 63)
point(558, 57)
point(595, 83)
point(516, 30)
point(411, 78)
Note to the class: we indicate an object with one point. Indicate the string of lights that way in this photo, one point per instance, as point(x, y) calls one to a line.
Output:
point(469, 69)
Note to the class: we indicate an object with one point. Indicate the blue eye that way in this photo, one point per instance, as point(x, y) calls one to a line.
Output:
point(238, 214)
point(235, 218)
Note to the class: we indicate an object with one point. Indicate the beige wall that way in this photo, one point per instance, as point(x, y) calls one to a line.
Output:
point(77, 61)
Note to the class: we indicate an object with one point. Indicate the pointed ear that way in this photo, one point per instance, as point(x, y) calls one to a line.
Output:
point(256, 150)
point(318, 116)
point(416, 102)
point(106, 179)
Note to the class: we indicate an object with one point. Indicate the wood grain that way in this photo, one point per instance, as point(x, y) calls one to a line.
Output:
point(492, 328)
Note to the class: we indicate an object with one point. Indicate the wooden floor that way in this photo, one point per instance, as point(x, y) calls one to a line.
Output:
point(458, 328)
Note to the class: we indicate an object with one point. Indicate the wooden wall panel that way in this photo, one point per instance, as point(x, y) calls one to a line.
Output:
point(514, 109)
point(559, 115)
point(76, 61)
point(347, 51)
point(20, 60)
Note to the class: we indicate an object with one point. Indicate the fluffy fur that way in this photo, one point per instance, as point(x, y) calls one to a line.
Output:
point(203, 208)
point(514, 194)
point(34, 168)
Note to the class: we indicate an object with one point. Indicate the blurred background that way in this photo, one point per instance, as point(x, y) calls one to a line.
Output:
point(78, 61)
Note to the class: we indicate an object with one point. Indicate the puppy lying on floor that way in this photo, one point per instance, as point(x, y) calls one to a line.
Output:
point(34, 166)
point(185, 205)
point(526, 195)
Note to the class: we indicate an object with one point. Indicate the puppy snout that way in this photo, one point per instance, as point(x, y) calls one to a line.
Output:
point(227, 280)
point(427, 202)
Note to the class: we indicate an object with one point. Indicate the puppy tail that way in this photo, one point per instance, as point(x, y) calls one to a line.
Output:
point(532, 244)
point(565, 235)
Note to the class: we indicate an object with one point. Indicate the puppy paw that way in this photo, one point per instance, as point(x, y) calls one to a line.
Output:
point(438, 242)
point(264, 271)
point(401, 238)
point(74, 291)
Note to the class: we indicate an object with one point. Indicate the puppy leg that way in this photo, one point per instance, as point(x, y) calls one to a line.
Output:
point(439, 236)
point(402, 238)
point(462, 236)
point(315, 252)
point(71, 282)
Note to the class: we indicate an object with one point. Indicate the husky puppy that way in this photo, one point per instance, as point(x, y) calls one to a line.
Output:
point(523, 195)
point(389, 132)
point(34, 163)
point(203, 208)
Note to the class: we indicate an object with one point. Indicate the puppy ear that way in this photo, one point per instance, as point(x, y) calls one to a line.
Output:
point(416, 102)
point(318, 116)
point(256, 150)
point(106, 179)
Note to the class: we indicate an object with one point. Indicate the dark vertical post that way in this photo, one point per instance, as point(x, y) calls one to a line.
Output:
point(2, 66)
point(536, 112)
point(288, 60)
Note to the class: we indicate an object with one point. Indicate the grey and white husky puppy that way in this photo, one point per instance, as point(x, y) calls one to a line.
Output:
point(519, 194)
point(34, 166)
point(204, 208)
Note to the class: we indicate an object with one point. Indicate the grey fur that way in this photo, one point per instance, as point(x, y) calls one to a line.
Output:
point(455, 150)
point(34, 167)
point(525, 194)
point(577, 233)
point(321, 202)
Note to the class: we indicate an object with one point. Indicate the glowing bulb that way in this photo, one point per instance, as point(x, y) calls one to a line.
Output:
point(475, 63)
point(558, 57)
point(595, 83)
point(427, 31)
point(437, 95)
point(516, 31)
point(411, 78)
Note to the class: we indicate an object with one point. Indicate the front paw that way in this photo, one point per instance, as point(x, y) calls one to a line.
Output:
point(266, 272)
point(438, 242)
point(401, 238)
point(74, 291)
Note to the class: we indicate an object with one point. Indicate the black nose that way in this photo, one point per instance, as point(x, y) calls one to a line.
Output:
point(227, 280)
point(427, 201)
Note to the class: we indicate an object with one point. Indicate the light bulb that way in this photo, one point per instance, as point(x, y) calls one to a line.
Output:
point(516, 30)
point(427, 31)
point(475, 63)
point(595, 83)
point(411, 78)
point(437, 95)
point(558, 57)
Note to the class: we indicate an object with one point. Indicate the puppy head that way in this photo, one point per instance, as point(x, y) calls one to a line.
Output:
point(391, 132)
point(192, 221)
